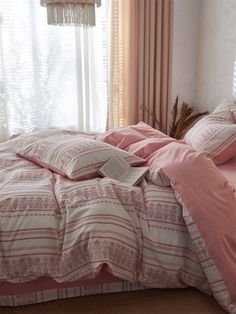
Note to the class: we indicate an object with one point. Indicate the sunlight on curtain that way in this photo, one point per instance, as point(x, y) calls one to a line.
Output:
point(51, 76)
point(140, 62)
point(117, 110)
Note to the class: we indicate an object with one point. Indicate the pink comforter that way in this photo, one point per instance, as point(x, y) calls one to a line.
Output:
point(52, 226)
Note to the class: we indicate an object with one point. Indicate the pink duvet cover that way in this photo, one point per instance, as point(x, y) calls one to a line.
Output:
point(54, 227)
point(229, 171)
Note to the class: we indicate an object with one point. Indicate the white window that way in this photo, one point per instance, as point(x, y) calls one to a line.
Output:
point(52, 76)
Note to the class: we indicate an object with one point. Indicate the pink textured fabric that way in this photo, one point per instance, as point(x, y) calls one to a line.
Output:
point(229, 171)
point(214, 135)
point(148, 146)
point(148, 131)
point(124, 137)
point(74, 156)
point(211, 203)
point(148, 149)
point(156, 174)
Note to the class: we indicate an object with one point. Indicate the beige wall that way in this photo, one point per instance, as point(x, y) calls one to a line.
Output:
point(185, 49)
point(204, 51)
point(216, 52)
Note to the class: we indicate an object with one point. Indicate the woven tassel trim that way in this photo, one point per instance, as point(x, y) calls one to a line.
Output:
point(45, 3)
point(71, 15)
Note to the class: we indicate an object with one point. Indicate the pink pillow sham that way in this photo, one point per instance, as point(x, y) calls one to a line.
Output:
point(124, 137)
point(76, 157)
point(146, 130)
point(148, 146)
point(214, 135)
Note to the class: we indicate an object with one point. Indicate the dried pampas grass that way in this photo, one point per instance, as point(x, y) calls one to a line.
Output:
point(181, 120)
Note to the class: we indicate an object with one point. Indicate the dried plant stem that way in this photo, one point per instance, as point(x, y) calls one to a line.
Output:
point(179, 127)
point(150, 112)
point(181, 121)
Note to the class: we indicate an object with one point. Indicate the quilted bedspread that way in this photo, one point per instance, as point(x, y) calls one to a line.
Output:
point(70, 230)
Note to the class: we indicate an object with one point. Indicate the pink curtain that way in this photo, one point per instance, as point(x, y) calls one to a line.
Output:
point(142, 68)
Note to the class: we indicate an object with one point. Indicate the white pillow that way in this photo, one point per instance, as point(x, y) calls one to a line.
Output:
point(214, 135)
point(76, 157)
point(226, 105)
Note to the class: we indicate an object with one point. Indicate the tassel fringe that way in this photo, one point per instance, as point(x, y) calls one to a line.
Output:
point(71, 15)
point(45, 3)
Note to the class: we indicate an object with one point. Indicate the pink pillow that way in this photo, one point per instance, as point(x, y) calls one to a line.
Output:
point(214, 135)
point(124, 137)
point(146, 130)
point(148, 146)
point(74, 156)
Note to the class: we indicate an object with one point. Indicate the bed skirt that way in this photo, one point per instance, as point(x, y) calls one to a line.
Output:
point(45, 289)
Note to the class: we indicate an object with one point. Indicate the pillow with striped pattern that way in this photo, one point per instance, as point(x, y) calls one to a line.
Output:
point(75, 157)
point(214, 135)
point(226, 105)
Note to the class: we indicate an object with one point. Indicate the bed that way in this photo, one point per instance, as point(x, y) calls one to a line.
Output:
point(63, 236)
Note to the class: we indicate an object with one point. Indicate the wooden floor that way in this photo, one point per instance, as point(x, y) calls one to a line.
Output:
point(174, 301)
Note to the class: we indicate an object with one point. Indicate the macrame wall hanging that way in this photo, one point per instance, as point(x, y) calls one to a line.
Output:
point(71, 12)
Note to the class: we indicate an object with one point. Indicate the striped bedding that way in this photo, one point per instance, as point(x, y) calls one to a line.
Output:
point(53, 227)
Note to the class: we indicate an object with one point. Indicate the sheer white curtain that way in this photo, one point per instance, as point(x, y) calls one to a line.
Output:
point(51, 76)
